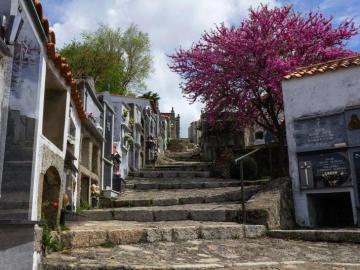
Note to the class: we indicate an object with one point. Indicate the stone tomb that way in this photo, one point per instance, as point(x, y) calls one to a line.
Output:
point(328, 156)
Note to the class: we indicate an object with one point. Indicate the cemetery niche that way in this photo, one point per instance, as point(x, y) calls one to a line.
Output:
point(328, 156)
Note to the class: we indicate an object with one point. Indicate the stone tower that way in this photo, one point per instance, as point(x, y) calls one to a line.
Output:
point(177, 121)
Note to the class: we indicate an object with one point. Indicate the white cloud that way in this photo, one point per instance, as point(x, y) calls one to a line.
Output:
point(170, 24)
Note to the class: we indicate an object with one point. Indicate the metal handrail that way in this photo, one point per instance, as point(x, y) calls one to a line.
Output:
point(243, 208)
point(246, 155)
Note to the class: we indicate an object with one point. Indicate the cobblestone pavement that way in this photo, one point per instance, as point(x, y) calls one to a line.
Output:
point(249, 254)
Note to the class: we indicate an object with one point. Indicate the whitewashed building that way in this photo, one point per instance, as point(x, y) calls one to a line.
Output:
point(322, 113)
point(35, 111)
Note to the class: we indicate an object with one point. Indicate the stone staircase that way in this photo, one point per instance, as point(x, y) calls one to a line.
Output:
point(171, 203)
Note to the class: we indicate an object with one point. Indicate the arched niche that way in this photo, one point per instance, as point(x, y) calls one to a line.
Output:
point(51, 197)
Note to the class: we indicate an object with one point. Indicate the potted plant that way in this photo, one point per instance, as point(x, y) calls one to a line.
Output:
point(125, 113)
point(129, 139)
point(95, 194)
point(131, 122)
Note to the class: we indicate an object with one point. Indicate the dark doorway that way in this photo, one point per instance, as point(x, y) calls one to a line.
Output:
point(331, 210)
point(85, 189)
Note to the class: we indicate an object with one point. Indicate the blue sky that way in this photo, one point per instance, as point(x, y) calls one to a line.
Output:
point(171, 24)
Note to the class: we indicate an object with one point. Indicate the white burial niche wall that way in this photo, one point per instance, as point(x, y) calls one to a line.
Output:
point(328, 161)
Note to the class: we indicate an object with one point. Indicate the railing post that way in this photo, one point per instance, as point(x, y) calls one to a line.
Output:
point(243, 208)
point(242, 193)
point(270, 163)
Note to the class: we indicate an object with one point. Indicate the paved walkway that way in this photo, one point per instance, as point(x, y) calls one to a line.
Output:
point(249, 254)
point(178, 218)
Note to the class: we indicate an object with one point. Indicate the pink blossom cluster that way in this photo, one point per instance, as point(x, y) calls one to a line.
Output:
point(239, 69)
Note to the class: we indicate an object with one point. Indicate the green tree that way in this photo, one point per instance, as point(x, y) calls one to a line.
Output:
point(118, 61)
point(151, 96)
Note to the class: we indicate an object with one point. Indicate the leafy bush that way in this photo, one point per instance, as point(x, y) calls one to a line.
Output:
point(49, 242)
point(250, 169)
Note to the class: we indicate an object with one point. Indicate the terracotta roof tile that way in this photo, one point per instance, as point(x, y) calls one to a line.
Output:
point(324, 67)
point(60, 62)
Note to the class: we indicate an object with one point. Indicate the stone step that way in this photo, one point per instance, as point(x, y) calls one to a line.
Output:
point(216, 212)
point(319, 235)
point(171, 174)
point(182, 196)
point(183, 156)
point(98, 233)
point(187, 183)
point(182, 166)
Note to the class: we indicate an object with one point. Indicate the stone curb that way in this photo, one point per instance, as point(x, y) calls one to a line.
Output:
point(254, 216)
point(87, 238)
point(351, 236)
point(226, 196)
point(172, 174)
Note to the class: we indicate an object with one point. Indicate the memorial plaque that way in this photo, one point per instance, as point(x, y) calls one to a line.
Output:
point(320, 133)
point(328, 170)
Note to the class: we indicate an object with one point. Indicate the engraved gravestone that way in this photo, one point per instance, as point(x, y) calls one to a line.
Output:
point(324, 170)
point(319, 133)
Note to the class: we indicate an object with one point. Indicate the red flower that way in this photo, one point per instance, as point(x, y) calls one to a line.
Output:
point(54, 204)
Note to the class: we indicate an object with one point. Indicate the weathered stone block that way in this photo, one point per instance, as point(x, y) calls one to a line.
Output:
point(173, 214)
point(77, 239)
point(165, 202)
point(169, 186)
point(186, 233)
point(192, 185)
point(158, 234)
point(191, 200)
point(134, 215)
point(123, 236)
point(232, 215)
point(147, 186)
point(102, 214)
point(133, 203)
point(209, 232)
point(254, 231)
point(208, 215)
point(216, 198)
point(234, 196)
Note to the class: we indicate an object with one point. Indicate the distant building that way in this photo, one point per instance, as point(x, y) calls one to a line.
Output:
point(194, 132)
point(173, 124)
point(224, 136)
point(137, 131)
point(91, 169)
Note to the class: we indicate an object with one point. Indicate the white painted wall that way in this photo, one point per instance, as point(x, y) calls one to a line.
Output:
point(5, 81)
point(321, 93)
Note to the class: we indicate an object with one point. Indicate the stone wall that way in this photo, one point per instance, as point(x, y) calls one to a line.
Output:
point(5, 80)
point(50, 159)
point(273, 205)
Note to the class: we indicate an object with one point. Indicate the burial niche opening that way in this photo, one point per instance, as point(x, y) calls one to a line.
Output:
point(331, 209)
point(50, 197)
point(54, 110)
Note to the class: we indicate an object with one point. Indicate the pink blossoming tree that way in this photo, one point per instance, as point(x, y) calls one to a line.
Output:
point(239, 70)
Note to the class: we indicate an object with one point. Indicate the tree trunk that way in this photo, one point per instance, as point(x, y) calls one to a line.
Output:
point(282, 155)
